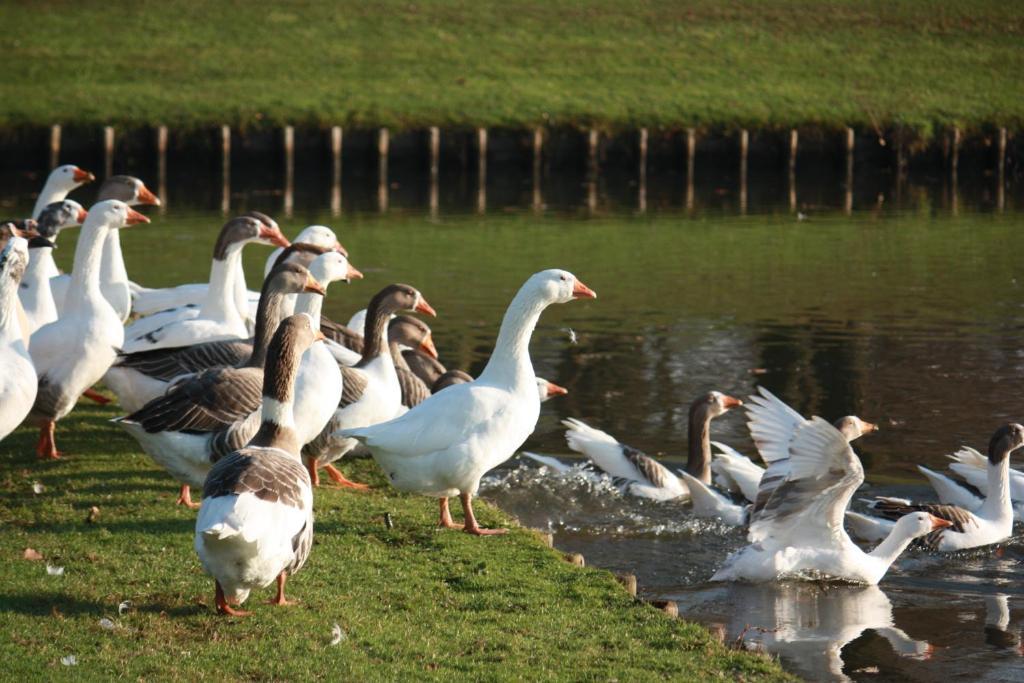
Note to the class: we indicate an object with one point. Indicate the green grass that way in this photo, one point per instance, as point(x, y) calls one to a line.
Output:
point(413, 601)
point(868, 63)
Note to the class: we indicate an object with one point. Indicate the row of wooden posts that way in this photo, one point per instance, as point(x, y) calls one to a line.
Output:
point(952, 150)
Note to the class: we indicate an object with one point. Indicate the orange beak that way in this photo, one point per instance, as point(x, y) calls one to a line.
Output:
point(274, 236)
point(425, 308)
point(340, 249)
point(81, 176)
point(939, 523)
point(581, 291)
point(82, 215)
point(147, 197)
point(353, 274)
point(313, 287)
point(730, 402)
point(555, 390)
point(135, 217)
point(427, 347)
point(870, 427)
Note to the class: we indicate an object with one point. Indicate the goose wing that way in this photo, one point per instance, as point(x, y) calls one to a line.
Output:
point(772, 425)
point(806, 507)
point(204, 403)
point(166, 364)
point(341, 334)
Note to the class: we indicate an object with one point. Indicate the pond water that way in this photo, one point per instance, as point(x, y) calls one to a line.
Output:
point(907, 311)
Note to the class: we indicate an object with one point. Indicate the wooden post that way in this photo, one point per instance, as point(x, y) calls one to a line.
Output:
point(289, 170)
point(628, 582)
point(108, 150)
point(336, 140)
point(642, 180)
point(1001, 170)
point(850, 144)
point(575, 559)
point(161, 166)
point(538, 153)
point(54, 145)
point(225, 168)
point(481, 171)
point(383, 145)
point(793, 140)
point(954, 164)
point(691, 157)
point(669, 607)
point(744, 145)
point(593, 138)
point(435, 169)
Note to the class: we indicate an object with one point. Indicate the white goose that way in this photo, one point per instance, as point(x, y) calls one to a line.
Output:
point(255, 525)
point(217, 316)
point(372, 393)
point(796, 529)
point(989, 523)
point(18, 380)
point(972, 466)
point(149, 300)
point(646, 477)
point(443, 446)
point(202, 417)
point(317, 235)
point(35, 293)
point(114, 281)
point(72, 353)
point(59, 183)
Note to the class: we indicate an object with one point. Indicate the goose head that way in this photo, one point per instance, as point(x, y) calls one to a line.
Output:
point(711, 405)
point(321, 236)
point(128, 189)
point(113, 214)
point(852, 427)
point(242, 230)
point(332, 266)
point(413, 333)
point(13, 261)
point(58, 216)
point(399, 297)
point(918, 524)
point(291, 278)
point(558, 286)
point(68, 177)
point(546, 389)
point(1004, 441)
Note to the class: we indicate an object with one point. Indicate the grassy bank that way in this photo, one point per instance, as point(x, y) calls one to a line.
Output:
point(790, 62)
point(412, 601)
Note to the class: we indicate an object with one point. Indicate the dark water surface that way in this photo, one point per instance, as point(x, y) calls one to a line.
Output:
point(909, 312)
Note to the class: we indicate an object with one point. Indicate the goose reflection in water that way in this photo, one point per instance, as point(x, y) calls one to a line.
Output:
point(813, 627)
point(997, 623)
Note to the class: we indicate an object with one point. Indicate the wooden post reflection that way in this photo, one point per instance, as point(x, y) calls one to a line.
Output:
point(593, 141)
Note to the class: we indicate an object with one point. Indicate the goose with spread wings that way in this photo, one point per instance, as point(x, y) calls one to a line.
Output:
point(796, 528)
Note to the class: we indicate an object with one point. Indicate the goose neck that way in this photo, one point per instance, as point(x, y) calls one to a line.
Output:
point(510, 361)
point(311, 304)
point(85, 274)
point(268, 318)
point(113, 269)
point(698, 463)
point(220, 297)
point(998, 503)
point(375, 330)
point(895, 543)
point(277, 429)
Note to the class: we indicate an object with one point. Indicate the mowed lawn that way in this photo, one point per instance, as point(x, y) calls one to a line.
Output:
point(867, 63)
point(410, 602)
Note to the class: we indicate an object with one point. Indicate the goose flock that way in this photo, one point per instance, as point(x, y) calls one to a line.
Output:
point(249, 394)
